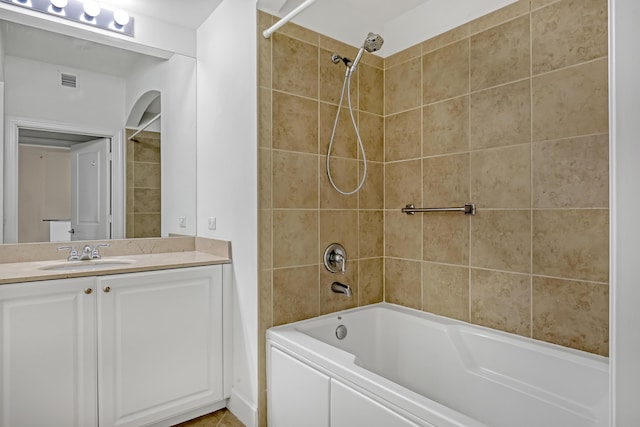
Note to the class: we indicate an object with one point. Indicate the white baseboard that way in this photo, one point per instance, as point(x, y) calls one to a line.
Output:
point(243, 409)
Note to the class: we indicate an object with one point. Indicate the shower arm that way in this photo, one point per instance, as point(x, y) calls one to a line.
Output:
point(275, 27)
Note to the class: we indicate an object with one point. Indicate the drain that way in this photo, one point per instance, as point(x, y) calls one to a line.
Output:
point(341, 332)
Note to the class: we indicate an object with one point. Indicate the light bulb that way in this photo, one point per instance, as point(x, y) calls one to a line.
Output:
point(121, 17)
point(91, 8)
point(59, 3)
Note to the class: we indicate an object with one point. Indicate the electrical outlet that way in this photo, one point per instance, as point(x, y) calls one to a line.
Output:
point(211, 223)
point(183, 222)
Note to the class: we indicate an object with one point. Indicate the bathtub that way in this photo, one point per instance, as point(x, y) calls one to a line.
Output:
point(401, 367)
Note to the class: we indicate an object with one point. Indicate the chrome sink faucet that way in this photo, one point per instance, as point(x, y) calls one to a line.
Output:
point(88, 253)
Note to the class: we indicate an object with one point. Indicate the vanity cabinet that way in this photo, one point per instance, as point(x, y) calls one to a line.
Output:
point(121, 350)
point(48, 354)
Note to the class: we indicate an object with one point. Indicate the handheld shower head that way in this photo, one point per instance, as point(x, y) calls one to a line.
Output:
point(372, 43)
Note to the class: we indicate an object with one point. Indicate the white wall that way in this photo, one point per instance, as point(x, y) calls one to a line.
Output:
point(227, 173)
point(175, 79)
point(32, 89)
point(625, 201)
point(2, 56)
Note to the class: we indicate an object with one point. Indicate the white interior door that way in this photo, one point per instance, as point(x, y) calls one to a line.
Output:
point(91, 190)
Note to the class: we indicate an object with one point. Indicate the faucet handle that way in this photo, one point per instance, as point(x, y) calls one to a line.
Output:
point(95, 253)
point(73, 253)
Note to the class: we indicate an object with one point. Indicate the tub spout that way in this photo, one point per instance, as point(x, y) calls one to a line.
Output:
point(339, 288)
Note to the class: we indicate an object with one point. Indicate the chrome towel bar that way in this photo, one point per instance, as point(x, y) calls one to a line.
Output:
point(468, 209)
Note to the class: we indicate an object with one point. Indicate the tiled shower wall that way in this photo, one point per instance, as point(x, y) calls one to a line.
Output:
point(508, 111)
point(143, 185)
point(300, 214)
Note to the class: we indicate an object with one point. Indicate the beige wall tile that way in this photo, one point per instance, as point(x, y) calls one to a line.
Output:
point(147, 200)
point(345, 142)
point(264, 179)
point(130, 226)
point(445, 72)
point(295, 66)
point(445, 238)
point(501, 15)
point(345, 175)
point(572, 314)
point(445, 39)
point(402, 184)
point(130, 208)
point(375, 60)
point(446, 290)
point(536, 4)
point(403, 56)
point(265, 301)
point(332, 80)
point(403, 235)
point(571, 102)
point(568, 33)
point(296, 294)
point(572, 244)
point(402, 282)
point(295, 123)
point(264, 117)
point(501, 178)
point(402, 136)
point(446, 181)
point(146, 225)
point(501, 116)
point(298, 32)
point(335, 46)
point(265, 239)
point(371, 89)
point(371, 129)
point(371, 196)
point(501, 301)
point(147, 147)
point(130, 171)
point(501, 54)
point(264, 53)
point(331, 301)
point(295, 180)
point(446, 127)
point(571, 173)
point(340, 227)
point(295, 238)
point(146, 175)
point(501, 240)
point(371, 234)
point(370, 281)
point(402, 87)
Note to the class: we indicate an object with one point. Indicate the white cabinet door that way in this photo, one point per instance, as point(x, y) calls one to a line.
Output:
point(298, 394)
point(159, 344)
point(350, 408)
point(48, 354)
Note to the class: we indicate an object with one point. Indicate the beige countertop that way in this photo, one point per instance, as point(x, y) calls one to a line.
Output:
point(148, 255)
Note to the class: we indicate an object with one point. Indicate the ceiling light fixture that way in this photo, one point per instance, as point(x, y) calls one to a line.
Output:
point(86, 12)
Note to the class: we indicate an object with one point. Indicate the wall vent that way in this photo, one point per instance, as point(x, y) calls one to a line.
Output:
point(68, 80)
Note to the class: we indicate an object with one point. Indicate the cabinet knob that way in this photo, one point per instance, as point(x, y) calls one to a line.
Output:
point(88, 291)
point(107, 289)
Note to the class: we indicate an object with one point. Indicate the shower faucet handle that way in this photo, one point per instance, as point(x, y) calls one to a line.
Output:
point(335, 258)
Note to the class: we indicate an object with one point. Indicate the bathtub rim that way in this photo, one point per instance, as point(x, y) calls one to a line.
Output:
point(339, 364)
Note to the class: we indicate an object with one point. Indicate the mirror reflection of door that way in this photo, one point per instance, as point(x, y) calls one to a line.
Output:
point(45, 189)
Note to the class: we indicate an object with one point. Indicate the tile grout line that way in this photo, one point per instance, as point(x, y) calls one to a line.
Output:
point(531, 165)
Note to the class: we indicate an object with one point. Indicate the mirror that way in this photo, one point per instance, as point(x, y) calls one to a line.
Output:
point(57, 84)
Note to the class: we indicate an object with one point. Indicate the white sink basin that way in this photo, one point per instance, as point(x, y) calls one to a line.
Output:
point(97, 264)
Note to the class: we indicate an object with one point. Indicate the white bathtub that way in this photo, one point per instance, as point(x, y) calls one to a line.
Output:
point(398, 366)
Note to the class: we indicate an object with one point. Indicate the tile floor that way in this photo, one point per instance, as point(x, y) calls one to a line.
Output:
point(221, 418)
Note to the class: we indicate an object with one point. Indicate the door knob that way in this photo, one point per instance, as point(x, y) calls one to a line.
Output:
point(107, 289)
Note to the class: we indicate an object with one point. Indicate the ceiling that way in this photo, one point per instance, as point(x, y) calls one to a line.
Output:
point(186, 13)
